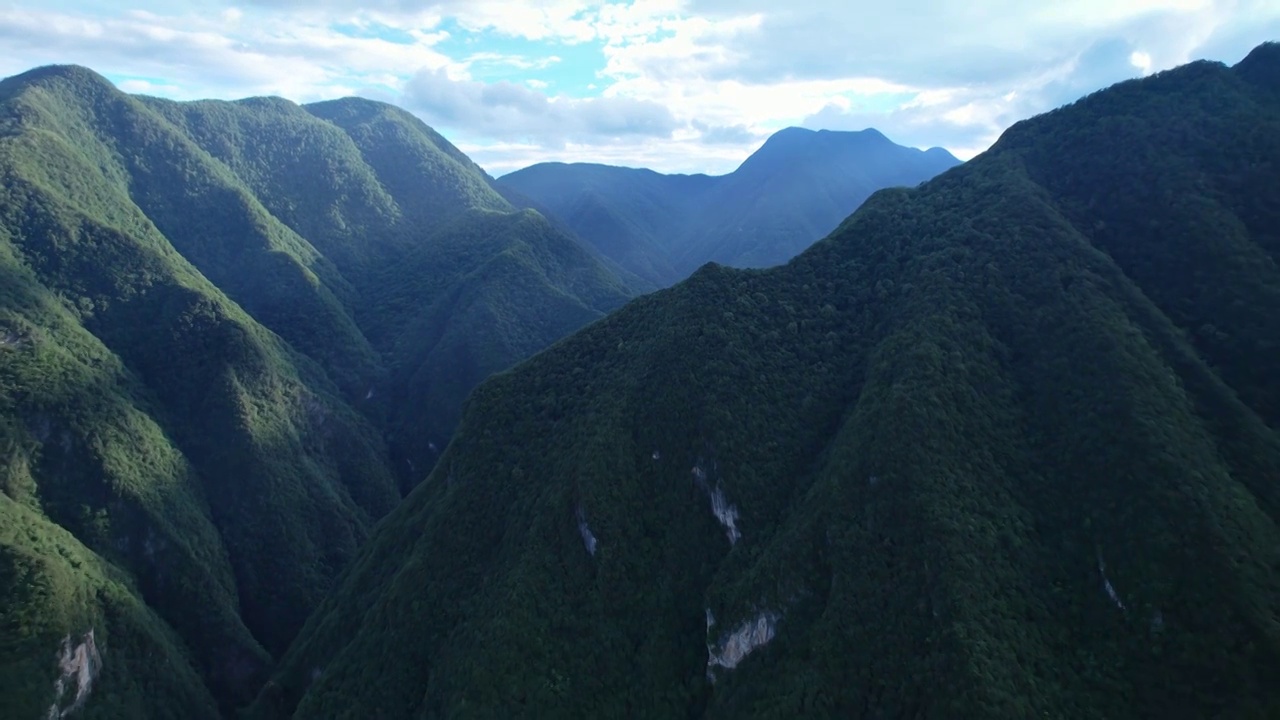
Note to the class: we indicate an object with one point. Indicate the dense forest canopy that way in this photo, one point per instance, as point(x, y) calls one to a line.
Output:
point(231, 334)
point(1004, 445)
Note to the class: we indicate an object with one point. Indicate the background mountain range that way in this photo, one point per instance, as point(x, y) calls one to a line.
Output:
point(795, 189)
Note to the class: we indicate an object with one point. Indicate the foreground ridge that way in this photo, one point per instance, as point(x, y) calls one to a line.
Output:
point(1001, 446)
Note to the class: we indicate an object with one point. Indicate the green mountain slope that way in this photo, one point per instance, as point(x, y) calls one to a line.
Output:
point(1004, 445)
point(515, 287)
point(792, 191)
point(194, 301)
point(409, 223)
point(63, 608)
point(150, 415)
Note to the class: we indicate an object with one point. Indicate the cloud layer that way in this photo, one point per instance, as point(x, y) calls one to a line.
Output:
point(678, 85)
point(515, 112)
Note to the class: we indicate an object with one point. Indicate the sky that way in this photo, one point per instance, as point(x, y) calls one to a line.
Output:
point(674, 85)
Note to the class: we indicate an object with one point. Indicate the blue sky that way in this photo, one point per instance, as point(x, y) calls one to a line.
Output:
point(676, 85)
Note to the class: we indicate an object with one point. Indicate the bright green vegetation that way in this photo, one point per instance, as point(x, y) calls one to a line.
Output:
point(1003, 445)
point(214, 320)
point(792, 191)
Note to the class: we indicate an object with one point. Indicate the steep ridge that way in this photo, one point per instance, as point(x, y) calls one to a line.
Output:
point(795, 189)
point(149, 414)
point(1004, 445)
point(54, 587)
point(409, 222)
point(191, 310)
point(481, 288)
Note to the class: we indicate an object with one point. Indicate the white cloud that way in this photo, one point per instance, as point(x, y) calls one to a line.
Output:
point(988, 72)
point(492, 59)
point(515, 111)
point(146, 87)
point(680, 84)
point(1140, 60)
point(562, 20)
point(674, 154)
point(209, 55)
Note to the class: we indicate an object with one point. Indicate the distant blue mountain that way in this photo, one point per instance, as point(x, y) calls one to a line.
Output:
point(795, 189)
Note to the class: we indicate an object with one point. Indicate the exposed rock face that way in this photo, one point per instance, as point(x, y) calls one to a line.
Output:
point(588, 538)
point(79, 665)
point(724, 511)
point(752, 634)
point(11, 339)
point(1106, 583)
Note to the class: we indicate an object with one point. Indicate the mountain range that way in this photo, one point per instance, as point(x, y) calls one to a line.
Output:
point(1003, 445)
point(232, 336)
point(792, 191)
point(217, 320)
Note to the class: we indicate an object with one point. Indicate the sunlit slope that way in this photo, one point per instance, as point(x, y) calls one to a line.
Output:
point(201, 318)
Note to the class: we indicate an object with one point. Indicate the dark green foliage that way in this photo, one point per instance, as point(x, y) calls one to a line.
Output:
point(51, 588)
point(1004, 445)
point(153, 418)
point(792, 191)
point(496, 288)
point(194, 301)
point(428, 177)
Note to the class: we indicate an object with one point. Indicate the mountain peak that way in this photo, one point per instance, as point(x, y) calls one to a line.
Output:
point(1267, 52)
point(348, 107)
point(68, 71)
point(801, 134)
point(941, 153)
point(795, 144)
point(77, 76)
point(273, 102)
point(793, 131)
point(1262, 66)
point(794, 189)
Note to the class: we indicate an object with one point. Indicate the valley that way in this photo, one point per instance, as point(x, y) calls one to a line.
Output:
point(233, 336)
point(303, 414)
point(1002, 445)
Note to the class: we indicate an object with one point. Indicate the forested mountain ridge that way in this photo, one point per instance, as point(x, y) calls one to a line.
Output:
point(792, 191)
point(452, 284)
point(1004, 445)
point(204, 310)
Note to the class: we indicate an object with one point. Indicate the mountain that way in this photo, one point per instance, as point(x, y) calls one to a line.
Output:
point(448, 282)
point(795, 189)
point(216, 321)
point(1003, 445)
